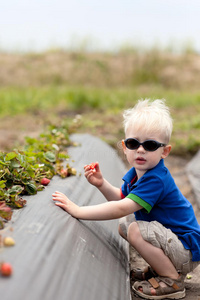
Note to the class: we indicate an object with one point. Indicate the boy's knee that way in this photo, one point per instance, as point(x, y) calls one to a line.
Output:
point(124, 223)
point(133, 232)
point(122, 231)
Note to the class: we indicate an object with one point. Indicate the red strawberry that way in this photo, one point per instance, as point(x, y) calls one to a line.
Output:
point(44, 181)
point(6, 269)
point(4, 207)
point(93, 166)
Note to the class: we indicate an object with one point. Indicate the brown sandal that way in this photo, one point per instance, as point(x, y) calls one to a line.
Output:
point(174, 288)
point(145, 274)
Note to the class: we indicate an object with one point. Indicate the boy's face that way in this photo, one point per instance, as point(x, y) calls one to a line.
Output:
point(141, 159)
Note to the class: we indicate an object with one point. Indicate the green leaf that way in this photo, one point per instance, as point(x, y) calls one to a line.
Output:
point(14, 164)
point(31, 172)
point(63, 156)
point(50, 156)
point(10, 156)
point(15, 190)
point(2, 184)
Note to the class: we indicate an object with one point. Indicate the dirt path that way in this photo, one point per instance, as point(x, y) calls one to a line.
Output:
point(177, 167)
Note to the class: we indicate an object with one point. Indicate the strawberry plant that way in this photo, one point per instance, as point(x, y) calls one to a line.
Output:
point(22, 171)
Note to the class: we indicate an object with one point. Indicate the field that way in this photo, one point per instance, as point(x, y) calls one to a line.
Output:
point(38, 89)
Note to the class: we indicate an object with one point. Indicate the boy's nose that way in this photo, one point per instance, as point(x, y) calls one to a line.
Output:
point(141, 149)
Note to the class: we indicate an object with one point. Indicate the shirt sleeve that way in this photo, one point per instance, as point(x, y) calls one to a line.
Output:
point(122, 195)
point(147, 192)
point(123, 190)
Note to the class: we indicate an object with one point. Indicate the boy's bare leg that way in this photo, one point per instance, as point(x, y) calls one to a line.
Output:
point(122, 233)
point(154, 256)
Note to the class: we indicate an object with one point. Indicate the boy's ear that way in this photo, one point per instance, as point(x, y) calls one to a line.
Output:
point(123, 146)
point(166, 151)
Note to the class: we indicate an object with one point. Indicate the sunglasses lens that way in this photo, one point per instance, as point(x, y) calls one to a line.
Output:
point(132, 144)
point(150, 145)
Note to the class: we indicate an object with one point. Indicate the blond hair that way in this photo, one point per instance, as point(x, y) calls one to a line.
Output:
point(152, 116)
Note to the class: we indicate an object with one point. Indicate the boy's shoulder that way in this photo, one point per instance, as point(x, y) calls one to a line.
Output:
point(158, 177)
point(160, 171)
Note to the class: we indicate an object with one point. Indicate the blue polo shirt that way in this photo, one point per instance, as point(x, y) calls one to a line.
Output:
point(162, 201)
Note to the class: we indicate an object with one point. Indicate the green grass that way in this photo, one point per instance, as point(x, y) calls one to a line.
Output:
point(100, 104)
point(22, 100)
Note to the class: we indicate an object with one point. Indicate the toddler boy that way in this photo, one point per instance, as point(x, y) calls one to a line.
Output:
point(162, 225)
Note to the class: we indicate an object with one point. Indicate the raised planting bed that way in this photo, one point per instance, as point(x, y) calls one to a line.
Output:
point(59, 257)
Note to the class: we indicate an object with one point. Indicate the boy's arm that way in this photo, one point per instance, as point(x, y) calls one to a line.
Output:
point(109, 191)
point(105, 211)
point(95, 177)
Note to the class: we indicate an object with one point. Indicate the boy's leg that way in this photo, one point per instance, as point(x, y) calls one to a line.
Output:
point(153, 255)
point(169, 254)
point(130, 231)
point(159, 261)
point(162, 238)
point(145, 272)
point(124, 224)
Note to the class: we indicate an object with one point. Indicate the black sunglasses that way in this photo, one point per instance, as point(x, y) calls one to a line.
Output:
point(149, 145)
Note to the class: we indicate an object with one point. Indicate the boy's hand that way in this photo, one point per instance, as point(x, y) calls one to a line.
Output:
point(93, 174)
point(63, 201)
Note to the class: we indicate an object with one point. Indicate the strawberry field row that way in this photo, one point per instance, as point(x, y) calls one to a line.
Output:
point(26, 171)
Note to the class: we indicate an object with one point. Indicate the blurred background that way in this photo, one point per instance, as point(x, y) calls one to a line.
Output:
point(60, 58)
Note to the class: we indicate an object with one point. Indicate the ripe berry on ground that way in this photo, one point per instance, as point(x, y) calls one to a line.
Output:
point(44, 181)
point(6, 269)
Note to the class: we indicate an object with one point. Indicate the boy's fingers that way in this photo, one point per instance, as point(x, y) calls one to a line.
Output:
point(55, 195)
point(91, 166)
point(57, 192)
point(89, 173)
point(86, 167)
point(97, 167)
point(62, 205)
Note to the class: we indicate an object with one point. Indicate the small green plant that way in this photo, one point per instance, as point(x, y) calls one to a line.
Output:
point(22, 170)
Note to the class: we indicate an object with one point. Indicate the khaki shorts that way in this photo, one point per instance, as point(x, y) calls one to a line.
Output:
point(161, 237)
